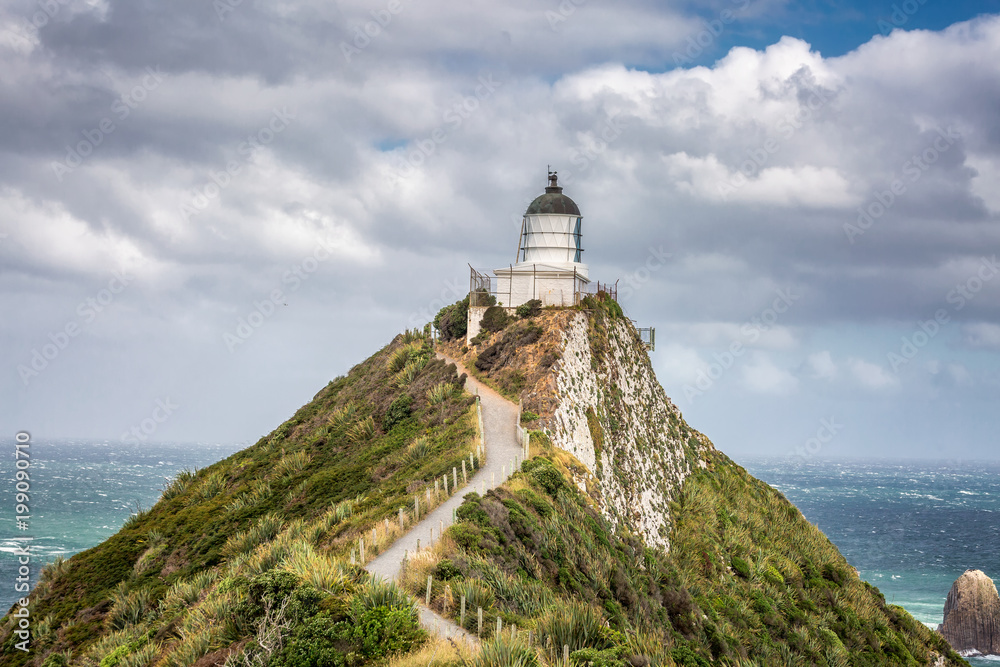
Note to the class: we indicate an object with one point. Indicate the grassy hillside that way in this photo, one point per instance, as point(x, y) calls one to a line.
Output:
point(255, 561)
point(205, 570)
point(747, 581)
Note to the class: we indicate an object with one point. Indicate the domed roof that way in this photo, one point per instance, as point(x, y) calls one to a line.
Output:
point(553, 201)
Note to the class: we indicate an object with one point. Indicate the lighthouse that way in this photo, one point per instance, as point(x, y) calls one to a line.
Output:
point(549, 265)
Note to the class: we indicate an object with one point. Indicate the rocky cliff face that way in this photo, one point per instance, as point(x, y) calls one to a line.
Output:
point(972, 615)
point(613, 415)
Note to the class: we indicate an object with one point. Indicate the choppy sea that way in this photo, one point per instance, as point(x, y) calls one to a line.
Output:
point(909, 527)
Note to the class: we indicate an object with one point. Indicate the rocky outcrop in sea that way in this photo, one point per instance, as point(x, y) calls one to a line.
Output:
point(972, 615)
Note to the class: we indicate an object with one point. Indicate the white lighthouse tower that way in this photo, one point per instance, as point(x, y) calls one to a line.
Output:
point(549, 254)
point(549, 266)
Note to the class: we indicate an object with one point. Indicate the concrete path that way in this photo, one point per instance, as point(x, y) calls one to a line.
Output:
point(500, 440)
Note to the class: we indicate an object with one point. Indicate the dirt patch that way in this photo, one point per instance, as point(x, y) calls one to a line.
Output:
point(519, 360)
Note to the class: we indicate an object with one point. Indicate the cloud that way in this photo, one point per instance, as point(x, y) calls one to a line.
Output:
point(679, 364)
point(418, 156)
point(822, 366)
point(763, 376)
point(871, 376)
point(985, 335)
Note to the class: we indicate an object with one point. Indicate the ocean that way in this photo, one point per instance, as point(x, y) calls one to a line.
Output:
point(909, 527)
point(81, 492)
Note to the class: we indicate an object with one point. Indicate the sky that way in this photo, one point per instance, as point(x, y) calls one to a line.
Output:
point(208, 210)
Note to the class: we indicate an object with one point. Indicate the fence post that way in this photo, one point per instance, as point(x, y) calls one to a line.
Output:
point(429, 579)
point(401, 518)
point(416, 507)
point(479, 632)
point(465, 479)
point(499, 626)
point(361, 548)
point(461, 621)
point(454, 477)
point(566, 654)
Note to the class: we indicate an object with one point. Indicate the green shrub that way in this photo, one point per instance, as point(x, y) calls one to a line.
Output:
point(772, 575)
point(495, 319)
point(528, 416)
point(452, 321)
point(590, 657)
point(529, 308)
point(740, 567)
point(398, 411)
point(446, 570)
point(547, 476)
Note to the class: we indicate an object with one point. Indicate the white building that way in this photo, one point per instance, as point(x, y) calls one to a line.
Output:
point(549, 260)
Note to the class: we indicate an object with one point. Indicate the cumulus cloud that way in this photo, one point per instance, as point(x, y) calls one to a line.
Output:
point(982, 335)
point(822, 366)
point(761, 375)
point(871, 376)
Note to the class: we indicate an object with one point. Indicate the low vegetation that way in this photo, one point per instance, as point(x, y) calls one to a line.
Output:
point(747, 581)
point(250, 560)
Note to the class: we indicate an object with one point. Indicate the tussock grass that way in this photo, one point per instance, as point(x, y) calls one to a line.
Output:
point(292, 463)
point(439, 393)
point(506, 651)
point(128, 607)
point(436, 653)
point(178, 485)
point(419, 449)
point(265, 529)
point(572, 624)
point(193, 647)
point(362, 431)
point(343, 416)
point(318, 569)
